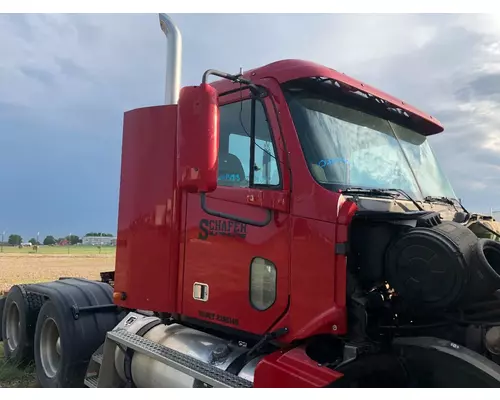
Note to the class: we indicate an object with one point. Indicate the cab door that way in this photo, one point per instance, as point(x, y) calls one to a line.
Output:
point(237, 239)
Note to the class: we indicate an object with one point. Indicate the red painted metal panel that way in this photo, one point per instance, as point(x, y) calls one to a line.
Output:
point(222, 261)
point(347, 209)
point(293, 369)
point(315, 307)
point(198, 138)
point(147, 246)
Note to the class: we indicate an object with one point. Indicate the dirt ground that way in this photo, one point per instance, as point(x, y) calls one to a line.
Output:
point(32, 268)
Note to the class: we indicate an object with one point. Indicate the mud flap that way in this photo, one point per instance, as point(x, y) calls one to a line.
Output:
point(84, 312)
point(437, 363)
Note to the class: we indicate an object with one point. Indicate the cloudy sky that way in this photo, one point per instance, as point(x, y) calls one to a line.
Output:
point(65, 81)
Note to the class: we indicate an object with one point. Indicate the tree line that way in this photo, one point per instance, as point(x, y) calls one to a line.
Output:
point(16, 240)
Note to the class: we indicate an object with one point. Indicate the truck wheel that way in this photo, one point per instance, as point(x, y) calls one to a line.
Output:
point(53, 351)
point(2, 304)
point(18, 324)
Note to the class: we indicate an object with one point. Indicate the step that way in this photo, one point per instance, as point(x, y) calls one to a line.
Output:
point(91, 381)
point(97, 357)
point(209, 374)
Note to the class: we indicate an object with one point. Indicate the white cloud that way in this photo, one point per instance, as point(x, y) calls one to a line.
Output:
point(83, 71)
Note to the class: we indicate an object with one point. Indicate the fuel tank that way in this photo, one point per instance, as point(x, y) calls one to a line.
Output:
point(146, 372)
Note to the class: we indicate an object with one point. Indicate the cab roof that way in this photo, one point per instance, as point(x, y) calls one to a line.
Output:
point(290, 70)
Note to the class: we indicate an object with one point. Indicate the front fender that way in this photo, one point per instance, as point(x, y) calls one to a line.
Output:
point(435, 363)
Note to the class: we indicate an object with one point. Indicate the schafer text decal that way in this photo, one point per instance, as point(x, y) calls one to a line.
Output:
point(216, 227)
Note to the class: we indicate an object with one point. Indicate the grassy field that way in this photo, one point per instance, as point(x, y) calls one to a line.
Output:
point(13, 377)
point(49, 263)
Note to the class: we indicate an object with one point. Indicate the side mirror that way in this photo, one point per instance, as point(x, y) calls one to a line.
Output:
point(198, 138)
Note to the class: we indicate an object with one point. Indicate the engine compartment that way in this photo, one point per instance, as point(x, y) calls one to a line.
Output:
point(414, 274)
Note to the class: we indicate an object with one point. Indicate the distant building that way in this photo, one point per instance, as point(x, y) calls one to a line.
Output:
point(99, 241)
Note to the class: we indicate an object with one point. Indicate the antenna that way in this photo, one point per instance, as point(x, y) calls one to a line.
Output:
point(174, 59)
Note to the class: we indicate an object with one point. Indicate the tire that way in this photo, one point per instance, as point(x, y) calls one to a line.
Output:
point(18, 324)
point(488, 254)
point(55, 365)
point(2, 306)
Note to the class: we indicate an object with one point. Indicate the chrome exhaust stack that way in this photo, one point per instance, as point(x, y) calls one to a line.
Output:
point(174, 59)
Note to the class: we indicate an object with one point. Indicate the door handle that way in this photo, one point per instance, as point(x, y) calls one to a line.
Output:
point(265, 222)
point(254, 200)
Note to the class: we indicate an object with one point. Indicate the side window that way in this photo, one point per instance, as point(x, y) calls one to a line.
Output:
point(235, 147)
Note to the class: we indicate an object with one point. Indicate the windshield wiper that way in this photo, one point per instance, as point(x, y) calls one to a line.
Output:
point(381, 192)
point(436, 199)
point(447, 200)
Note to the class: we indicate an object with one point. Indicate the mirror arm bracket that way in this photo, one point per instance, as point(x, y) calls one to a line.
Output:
point(247, 221)
point(258, 91)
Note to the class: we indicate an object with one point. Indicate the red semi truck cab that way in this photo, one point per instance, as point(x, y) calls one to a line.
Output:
point(263, 248)
point(287, 227)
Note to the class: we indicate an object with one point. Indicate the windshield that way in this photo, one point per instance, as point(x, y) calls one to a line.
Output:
point(347, 147)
